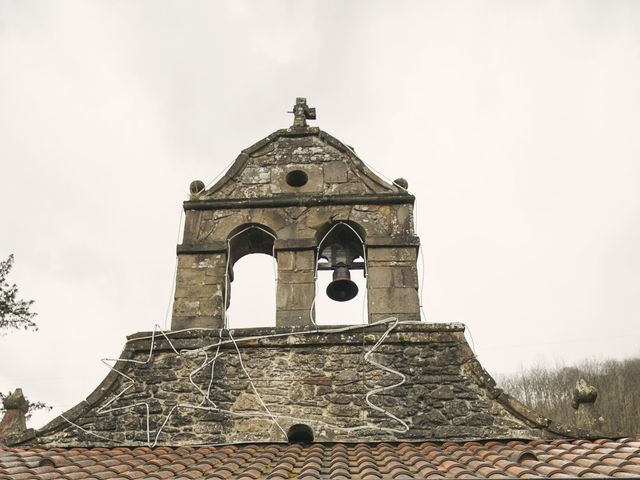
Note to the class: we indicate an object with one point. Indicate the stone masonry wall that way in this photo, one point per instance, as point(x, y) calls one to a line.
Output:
point(328, 163)
point(293, 218)
point(316, 378)
point(391, 250)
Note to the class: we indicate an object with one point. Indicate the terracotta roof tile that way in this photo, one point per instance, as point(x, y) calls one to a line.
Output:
point(492, 459)
point(100, 475)
point(76, 475)
point(134, 474)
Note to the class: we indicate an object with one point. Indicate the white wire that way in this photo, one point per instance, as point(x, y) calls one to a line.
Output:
point(365, 297)
point(217, 177)
point(393, 321)
point(384, 177)
point(473, 344)
point(206, 396)
point(104, 409)
point(85, 430)
point(253, 387)
point(414, 217)
point(213, 366)
point(175, 274)
point(315, 270)
point(421, 286)
point(226, 270)
point(403, 378)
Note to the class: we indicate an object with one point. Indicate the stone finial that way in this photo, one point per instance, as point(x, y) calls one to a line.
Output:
point(195, 188)
point(14, 421)
point(302, 113)
point(584, 398)
point(401, 182)
point(584, 394)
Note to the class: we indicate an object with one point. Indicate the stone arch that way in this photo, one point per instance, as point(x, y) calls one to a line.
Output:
point(355, 227)
point(346, 231)
point(227, 223)
point(244, 240)
point(249, 238)
point(340, 265)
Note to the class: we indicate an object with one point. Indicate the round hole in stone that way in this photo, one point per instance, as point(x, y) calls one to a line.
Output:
point(297, 178)
point(300, 433)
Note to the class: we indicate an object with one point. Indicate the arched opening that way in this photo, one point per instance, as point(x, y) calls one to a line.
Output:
point(341, 285)
point(248, 239)
point(251, 285)
point(300, 433)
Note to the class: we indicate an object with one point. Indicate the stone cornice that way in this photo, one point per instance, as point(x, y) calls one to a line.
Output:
point(297, 244)
point(288, 200)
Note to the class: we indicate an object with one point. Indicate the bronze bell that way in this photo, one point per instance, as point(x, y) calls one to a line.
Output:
point(342, 288)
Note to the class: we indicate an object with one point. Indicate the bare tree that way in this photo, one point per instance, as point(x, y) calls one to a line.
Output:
point(549, 391)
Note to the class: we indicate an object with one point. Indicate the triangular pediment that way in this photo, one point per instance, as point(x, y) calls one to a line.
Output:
point(298, 161)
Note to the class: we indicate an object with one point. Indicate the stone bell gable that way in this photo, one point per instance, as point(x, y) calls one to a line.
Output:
point(306, 199)
point(290, 195)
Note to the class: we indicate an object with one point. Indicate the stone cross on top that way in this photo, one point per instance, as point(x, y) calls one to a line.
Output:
point(302, 113)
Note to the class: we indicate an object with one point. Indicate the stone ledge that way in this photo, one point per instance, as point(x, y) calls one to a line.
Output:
point(296, 244)
point(239, 333)
point(294, 337)
point(294, 200)
point(212, 247)
point(392, 242)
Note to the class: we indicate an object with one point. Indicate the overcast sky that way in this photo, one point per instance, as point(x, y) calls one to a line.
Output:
point(517, 125)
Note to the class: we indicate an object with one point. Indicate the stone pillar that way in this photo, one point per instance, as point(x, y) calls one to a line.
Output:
point(296, 287)
point(200, 287)
point(392, 283)
point(584, 399)
point(14, 421)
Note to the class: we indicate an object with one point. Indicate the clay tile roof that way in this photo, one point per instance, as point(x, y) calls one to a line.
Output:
point(491, 459)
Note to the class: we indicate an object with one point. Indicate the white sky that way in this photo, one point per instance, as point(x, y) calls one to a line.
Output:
point(516, 123)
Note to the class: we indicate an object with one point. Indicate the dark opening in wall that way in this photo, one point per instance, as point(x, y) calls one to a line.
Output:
point(297, 178)
point(330, 312)
point(341, 285)
point(300, 433)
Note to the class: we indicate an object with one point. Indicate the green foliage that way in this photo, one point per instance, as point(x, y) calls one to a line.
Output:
point(14, 313)
point(549, 391)
point(33, 406)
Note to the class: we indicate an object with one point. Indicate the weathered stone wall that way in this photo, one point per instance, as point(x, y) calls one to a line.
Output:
point(329, 165)
point(296, 286)
point(205, 228)
point(393, 283)
point(200, 290)
point(316, 378)
point(391, 252)
point(293, 219)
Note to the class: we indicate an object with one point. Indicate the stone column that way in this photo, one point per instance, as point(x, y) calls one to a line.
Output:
point(296, 287)
point(586, 415)
point(392, 283)
point(200, 287)
point(14, 421)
